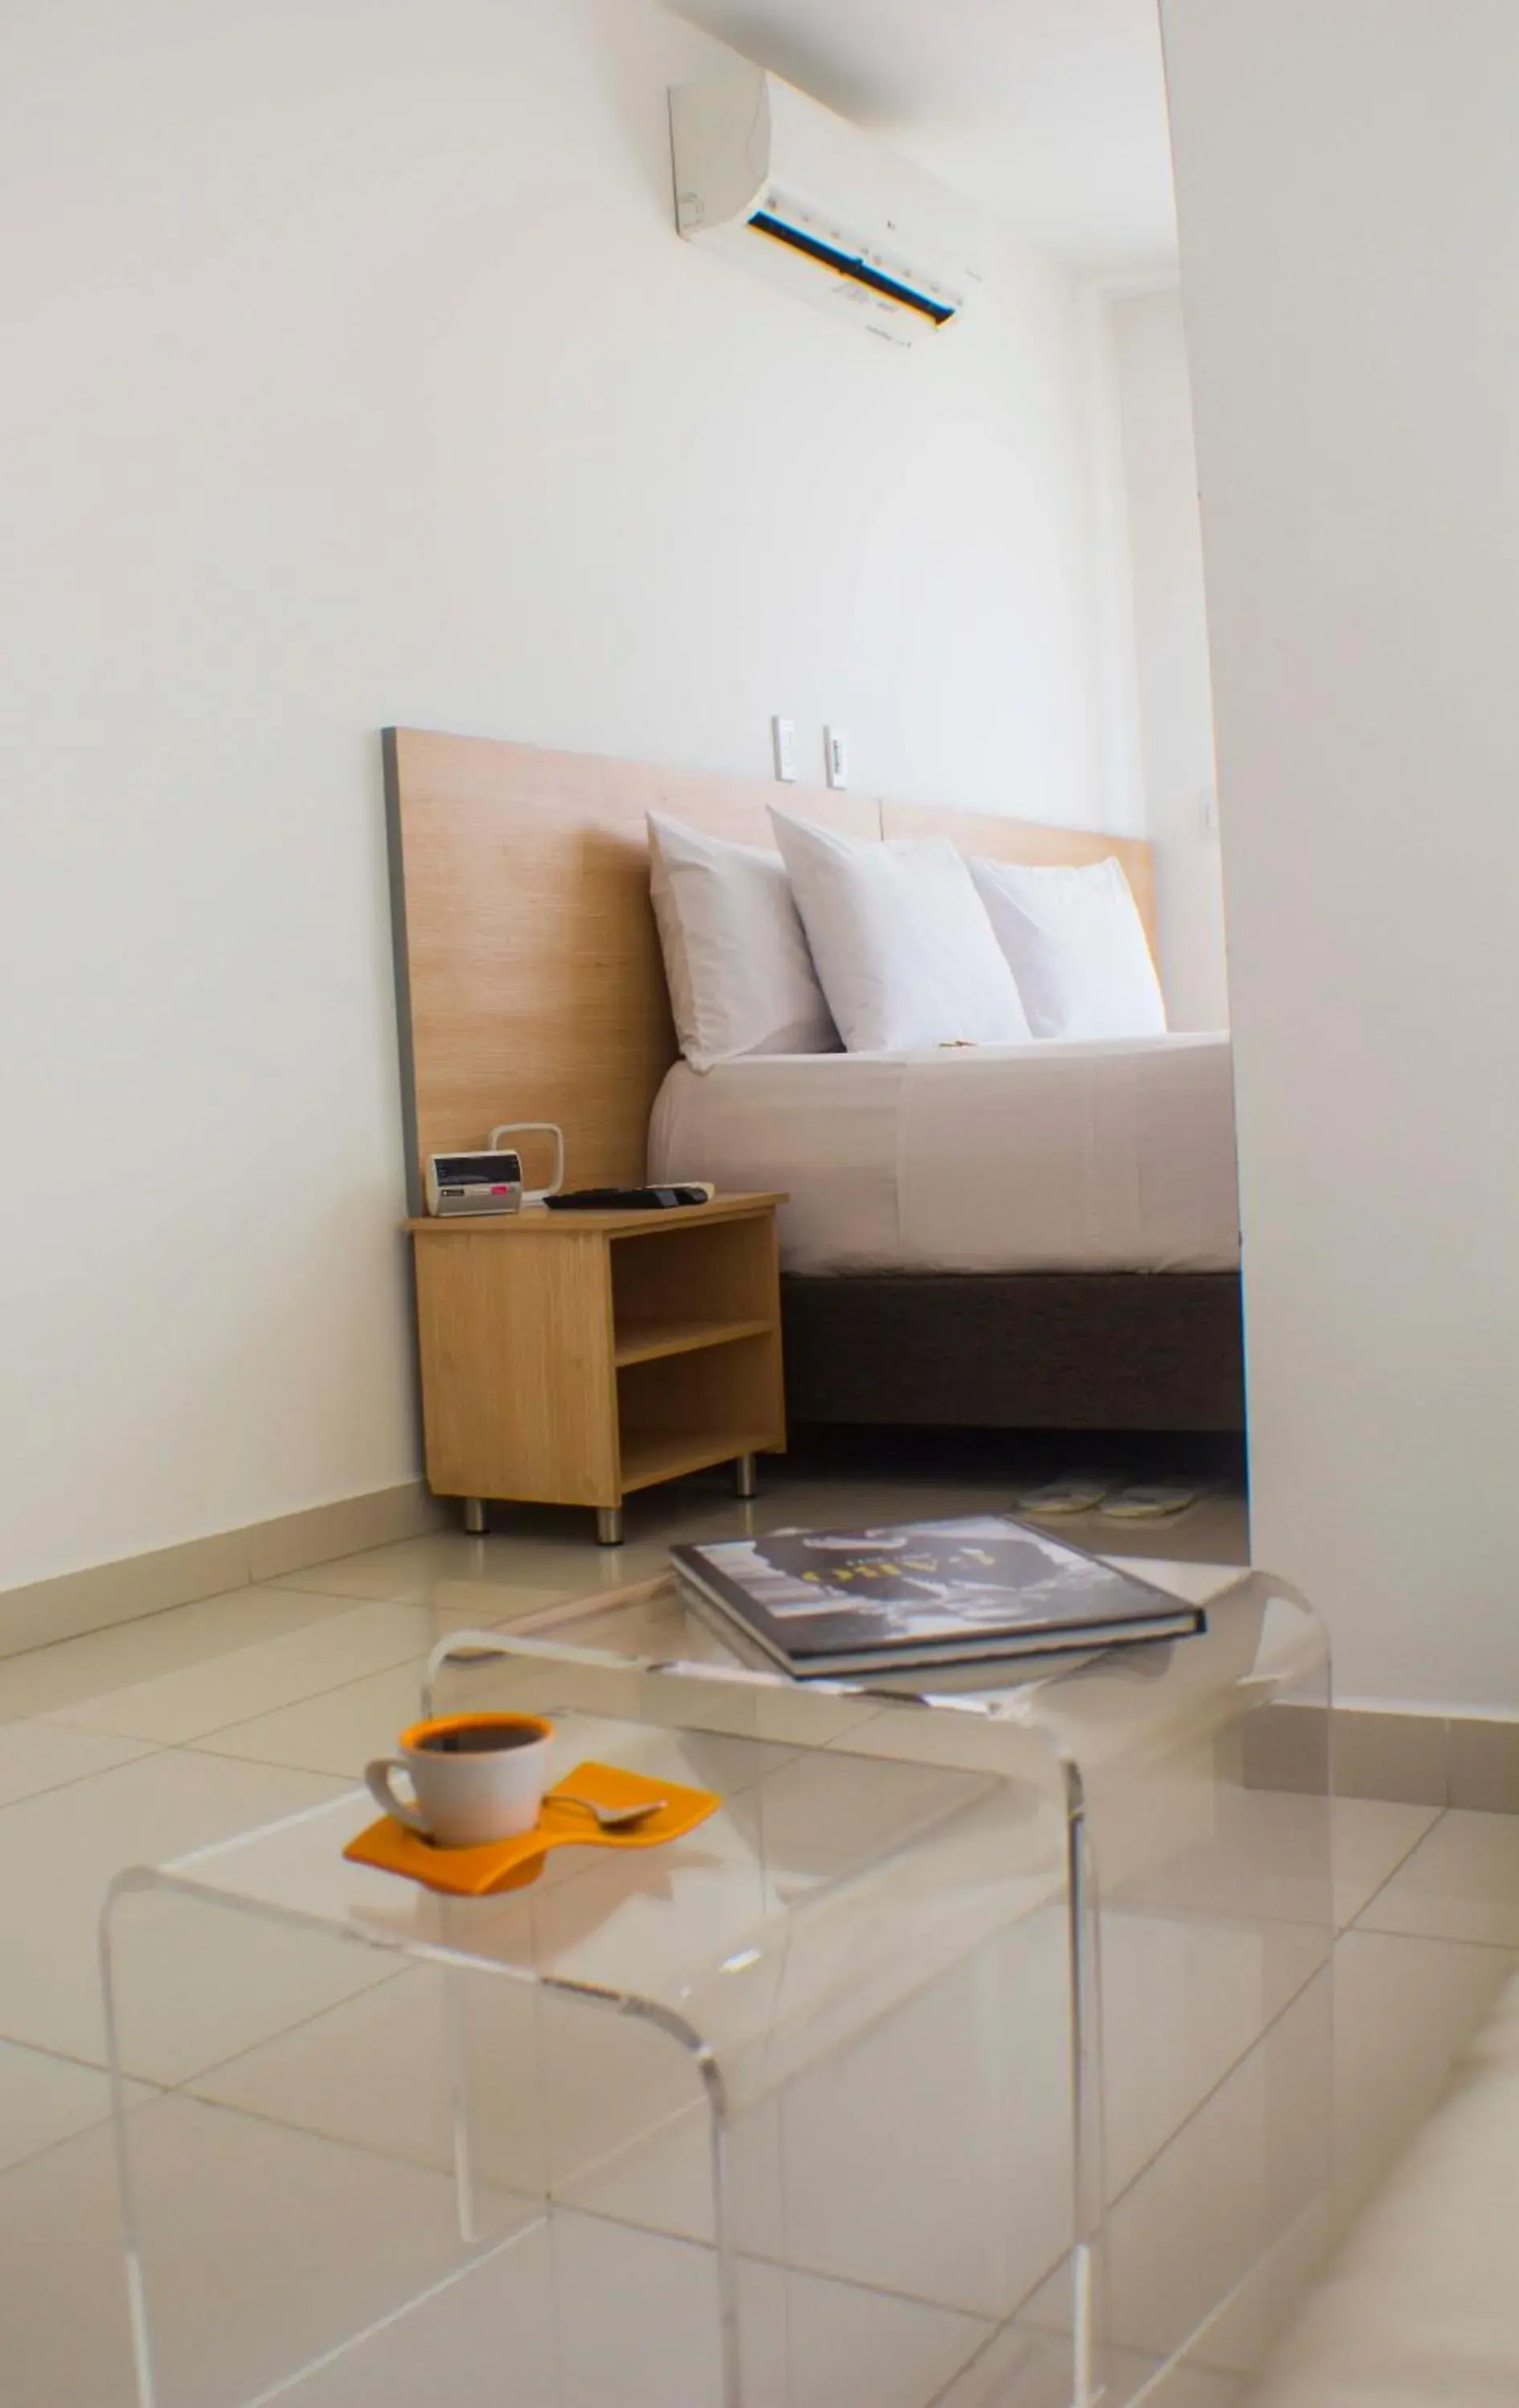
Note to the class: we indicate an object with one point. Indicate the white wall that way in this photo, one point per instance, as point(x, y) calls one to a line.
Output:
point(1173, 693)
point(1349, 189)
point(357, 375)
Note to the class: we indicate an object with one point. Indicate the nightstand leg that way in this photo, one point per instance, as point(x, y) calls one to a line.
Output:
point(608, 1526)
point(745, 1476)
point(475, 1521)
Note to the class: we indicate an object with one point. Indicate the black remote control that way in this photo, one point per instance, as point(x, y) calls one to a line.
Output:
point(626, 1199)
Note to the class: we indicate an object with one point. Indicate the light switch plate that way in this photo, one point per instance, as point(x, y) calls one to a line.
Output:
point(784, 747)
point(836, 756)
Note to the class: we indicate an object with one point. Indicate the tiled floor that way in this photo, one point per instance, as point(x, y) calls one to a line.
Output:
point(153, 1738)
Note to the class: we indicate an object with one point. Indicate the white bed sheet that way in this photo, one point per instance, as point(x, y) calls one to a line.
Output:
point(1113, 1155)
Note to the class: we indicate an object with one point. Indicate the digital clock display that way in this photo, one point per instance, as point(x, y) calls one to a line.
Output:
point(477, 1170)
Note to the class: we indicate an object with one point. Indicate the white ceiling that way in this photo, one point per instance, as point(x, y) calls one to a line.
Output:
point(1051, 111)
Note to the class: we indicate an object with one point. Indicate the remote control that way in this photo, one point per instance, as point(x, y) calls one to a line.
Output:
point(627, 1200)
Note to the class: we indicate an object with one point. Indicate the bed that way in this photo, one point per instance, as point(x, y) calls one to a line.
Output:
point(1115, 1156)
point(1038, 1235)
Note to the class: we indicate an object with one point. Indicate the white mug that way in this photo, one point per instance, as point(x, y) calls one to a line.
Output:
point(476, 1777)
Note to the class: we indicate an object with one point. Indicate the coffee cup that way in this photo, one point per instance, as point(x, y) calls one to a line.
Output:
point(474, 1777)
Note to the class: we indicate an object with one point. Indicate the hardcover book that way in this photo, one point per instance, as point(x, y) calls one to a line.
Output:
point(827, 1603)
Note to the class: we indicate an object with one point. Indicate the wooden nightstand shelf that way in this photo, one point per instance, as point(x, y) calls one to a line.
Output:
point(569, 1358)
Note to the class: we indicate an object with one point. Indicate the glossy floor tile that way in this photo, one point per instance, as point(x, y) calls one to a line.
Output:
point(261, 2249)
point(557, 1553)
point(1417, 2305)
point(1371, 1840)
point(336, 1732)
point(1022, 2367)
point(1461, 1882)
point(520, 1569)
point(236, 2214)
point(1269, 1852)
point(59, 1851)
point(36, 1756)
point(150, 1738)
point(1404, 2009)
point(810, 2343)
point(185, 1704)
point(46, 1678)
point(380, 2070)
point(63, 2279)
point(1225, 2191)
point(806, 2342)
point(1186, 1999)
point(46, 2099)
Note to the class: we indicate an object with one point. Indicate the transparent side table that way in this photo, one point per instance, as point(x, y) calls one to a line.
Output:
point(977, 2051)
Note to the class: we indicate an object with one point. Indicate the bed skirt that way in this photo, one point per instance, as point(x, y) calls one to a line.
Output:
point(1025, 1350)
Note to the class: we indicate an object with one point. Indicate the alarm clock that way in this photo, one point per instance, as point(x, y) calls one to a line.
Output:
point(474, 1182)
point(491, 1179)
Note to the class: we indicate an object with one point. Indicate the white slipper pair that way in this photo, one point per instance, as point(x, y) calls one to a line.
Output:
point(1138, 1501)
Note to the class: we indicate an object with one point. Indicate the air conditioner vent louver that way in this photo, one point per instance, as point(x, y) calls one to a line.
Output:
point(845, 262)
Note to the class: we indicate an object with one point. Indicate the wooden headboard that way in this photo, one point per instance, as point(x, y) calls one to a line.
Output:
point(528, 978)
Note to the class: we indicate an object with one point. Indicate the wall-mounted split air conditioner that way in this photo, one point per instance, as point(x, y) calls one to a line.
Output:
point(774, 180)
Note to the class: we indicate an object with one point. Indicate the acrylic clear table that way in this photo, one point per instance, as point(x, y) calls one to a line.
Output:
point(977, 2051)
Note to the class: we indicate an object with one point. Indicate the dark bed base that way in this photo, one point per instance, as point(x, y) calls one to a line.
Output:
point(1033, 1350)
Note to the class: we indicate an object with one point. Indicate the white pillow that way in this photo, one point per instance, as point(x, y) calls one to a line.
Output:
point(741, 976)
point(1077, 948)
point(902, 943)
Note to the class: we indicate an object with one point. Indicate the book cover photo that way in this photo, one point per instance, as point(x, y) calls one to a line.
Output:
point(976, 1584)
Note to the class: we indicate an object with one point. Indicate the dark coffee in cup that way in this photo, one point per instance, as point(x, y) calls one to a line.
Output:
point(481, 1738)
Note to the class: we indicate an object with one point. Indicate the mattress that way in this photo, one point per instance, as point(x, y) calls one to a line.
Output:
point(1045, 1157)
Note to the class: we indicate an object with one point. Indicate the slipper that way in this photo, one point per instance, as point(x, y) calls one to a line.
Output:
point(1073, 1495)
point(1155, 1503)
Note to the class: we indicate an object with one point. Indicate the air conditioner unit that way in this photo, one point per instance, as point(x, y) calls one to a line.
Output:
point(771, 178)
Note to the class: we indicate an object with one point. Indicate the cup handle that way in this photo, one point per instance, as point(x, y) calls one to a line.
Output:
point(379, 1780)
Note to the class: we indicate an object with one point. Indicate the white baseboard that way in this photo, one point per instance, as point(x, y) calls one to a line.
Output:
point(92, 1599)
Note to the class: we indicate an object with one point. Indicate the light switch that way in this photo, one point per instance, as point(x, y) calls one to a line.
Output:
point(836, 756)
point(783, 746)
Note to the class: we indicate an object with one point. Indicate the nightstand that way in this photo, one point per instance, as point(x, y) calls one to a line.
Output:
point(569, 1358)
